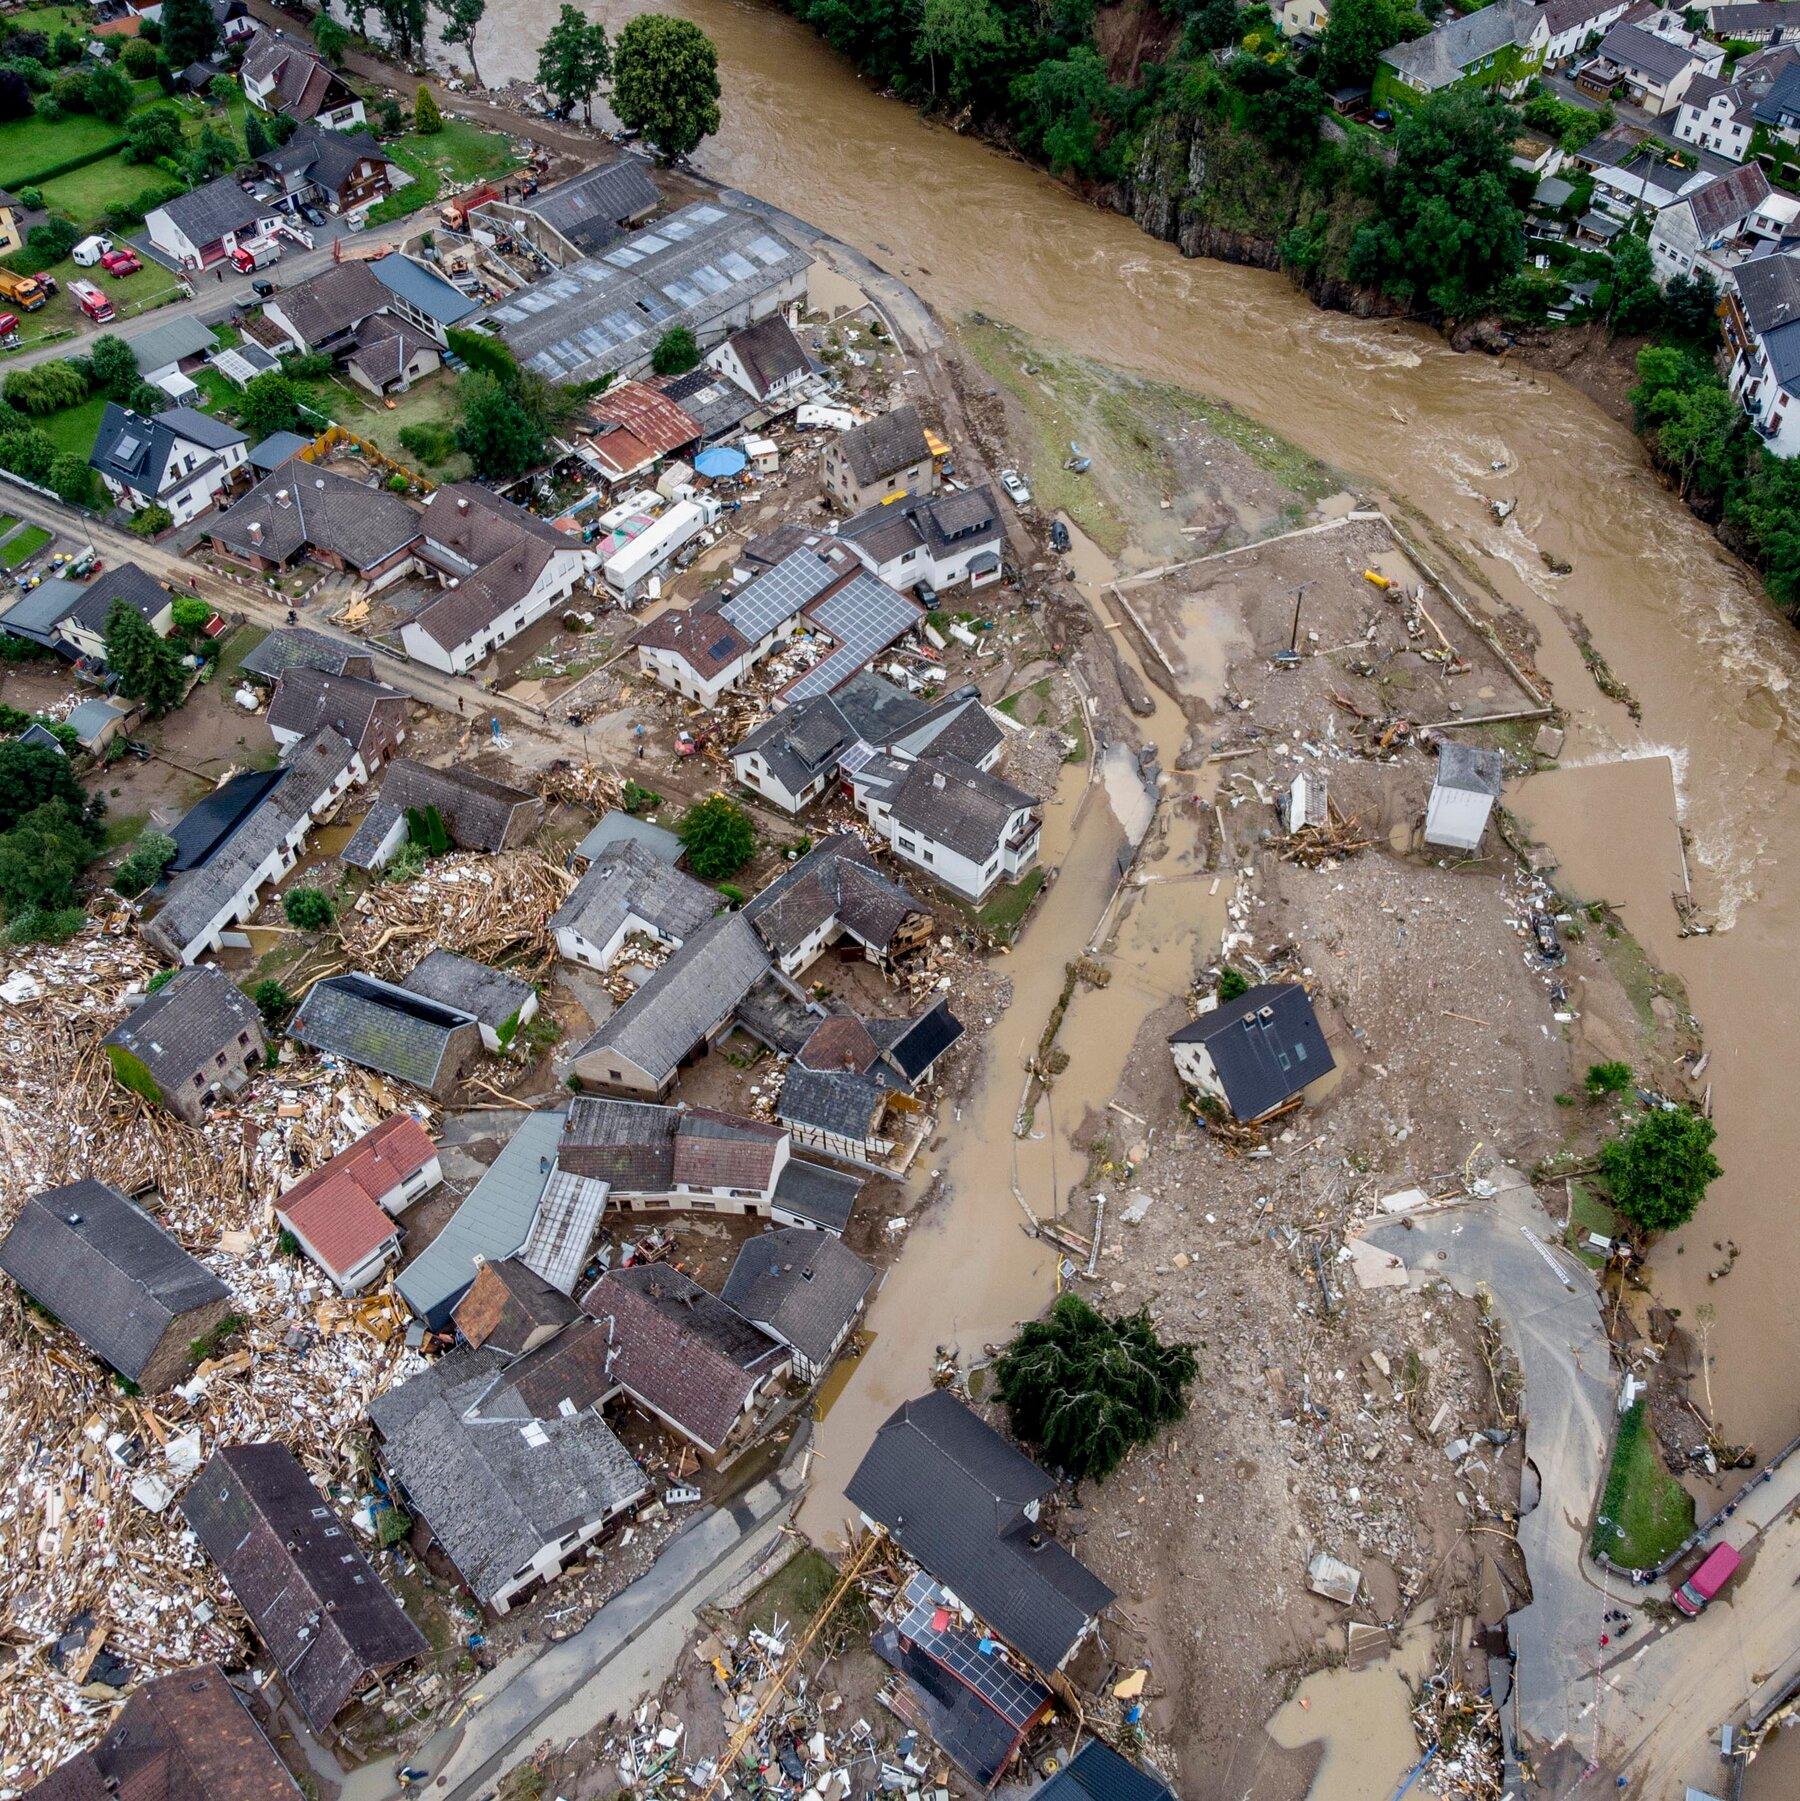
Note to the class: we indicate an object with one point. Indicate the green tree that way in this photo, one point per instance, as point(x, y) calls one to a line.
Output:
point(109, 94)
point(271, 403)
point(1232, 983)
point(190, 33)
point(1693, 426)
point(718, 838)
point(41, 860)
point(1064, 107)
point(428, 120)
point(112, 367)
point(272, 1001)
point(190, 614)
point(1608, 1078)
point(1356, 33)
point(257, 142)
point(141, 866)
point(51, 241)
point(666, 83)
point(1087, 1388)
point(73, 478)
point(330, 38)
point(1448, 231)
point(30, 776)
point(676, 352)
point(308, 909)
point(499, 436)
point(405, 23)
point(461, 20)
point(148, 668)
point(213, 153)
point(574, 60)
point(1767, 511)
point(1657, 1173)
point(967, 36)
point(1636, 299)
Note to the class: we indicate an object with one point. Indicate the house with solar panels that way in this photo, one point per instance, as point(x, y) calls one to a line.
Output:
point(709, 267)
point(179, 459)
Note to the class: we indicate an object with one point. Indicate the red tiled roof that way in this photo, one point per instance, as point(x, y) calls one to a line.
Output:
point(652, 424)
point(335, 1209)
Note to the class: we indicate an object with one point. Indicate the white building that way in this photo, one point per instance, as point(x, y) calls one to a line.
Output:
point(1715, 229)
point(178, 459)
point(1572, 22)
point(1463, 793)
point(765, 360)
point(628, 891)
point(938, 540)
point(957, 822)
point(1762, 329)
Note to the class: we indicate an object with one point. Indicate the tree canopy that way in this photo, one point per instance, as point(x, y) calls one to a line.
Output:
point(149, 668)
point(190, 32)
point(30, 775)
point(574, 59)
point(676, 352)
point(500, 437)
point(1356, 33)
point(1657, 1173)
point(1086, 1388)
point(666, 83)
point(308, 909)
point(718, 838)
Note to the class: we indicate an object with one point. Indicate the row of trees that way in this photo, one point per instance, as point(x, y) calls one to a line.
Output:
point(664, 76)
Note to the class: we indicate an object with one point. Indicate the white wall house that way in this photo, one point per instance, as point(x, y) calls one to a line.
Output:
point(963, 826)
point(178, 459)
point(1716, 118)
point(1573, 22)
point(1463, 793)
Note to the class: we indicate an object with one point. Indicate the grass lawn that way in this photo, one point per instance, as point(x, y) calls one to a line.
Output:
point(28, 146)
point(122, 828)
point(1644, 1512)
point(1588, 1213)
point(85, 194)
point(74, 430)
point(1007, 906)
point(236, 647)
point(50, 20)
point(151, 287)
point(7, 522)
point(433, 401)
point(26, 543)
point(796, 1592)
point(451, 158)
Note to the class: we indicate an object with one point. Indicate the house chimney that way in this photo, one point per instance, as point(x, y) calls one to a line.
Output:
point(462, 503)
point(283, 498)
point(255, 531)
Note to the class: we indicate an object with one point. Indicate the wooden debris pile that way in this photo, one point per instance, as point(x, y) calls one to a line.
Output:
point(1462, 1729)
point(1321, 846)
point(90, 1528)
point(579, 785)
point(488, 908)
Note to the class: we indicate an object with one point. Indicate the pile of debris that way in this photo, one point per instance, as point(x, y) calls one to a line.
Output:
point(1462, 1730)
point(88, 1523)
point(488, 908)
point(579, 785)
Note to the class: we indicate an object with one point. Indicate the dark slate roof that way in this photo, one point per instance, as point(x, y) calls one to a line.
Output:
point(916, 1044)
point(277, 448)
point(200, 428)
point(307, 700)
point(958, 804)
point(491, 995)
point(364, 525)
point(183, 1737)
point(385, 348)
point(1266, 1045)
point(196, 897)
point(1769, 291)
point(495, 1477)
point(824, 1198)
point(133, 450)
point(1470, 767)
point(836, 878)
point(800, 742)
point(423, 289)
point(628, 1144)
point(885, 445)
point(952, 1493)
point(379, 1025)
point(837, 1101)
point(884, 532)
point(878, 710)
point(693, 992)
point(125, 581)
point(299, 647)
point(178, 1029)
point(958, 726)
point(681, 1352)
point(769, 352)
point(331, 302)
point(626, 880)
point(296, 1569)
point(1631, 47)
point(209, 212)
point(477, 811)
point(615, 827)
point(327, 157)
point(590, 209)
point(1098, 1773)
point(211, 820)
point(975, 1736)
point(506, 547)
point(803, 1286)
point(107, 1270)
point(713, 401)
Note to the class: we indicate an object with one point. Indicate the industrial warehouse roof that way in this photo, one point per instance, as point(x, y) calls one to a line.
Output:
point(605, 314)
point(590, 209)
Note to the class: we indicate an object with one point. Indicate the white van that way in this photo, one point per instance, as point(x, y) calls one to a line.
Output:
point(89, 251)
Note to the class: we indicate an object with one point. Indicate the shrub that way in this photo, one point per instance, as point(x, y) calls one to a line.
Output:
point(432, 442)
point(46, 925)
point(273, 1001)
point(286, 1244)
point(676, 352)
point(140, 59)
point(733, 893)
point(397, 483)
point(190, 614)
point(1608, 1078)
point(148, 858)
point(1657, 1173)
point(151, 520)
point(481, 352)
point(636, 799)
point(718, 838)
point(428, 120)
point(132, 1073)
point(1232, 983)
point(309, 909)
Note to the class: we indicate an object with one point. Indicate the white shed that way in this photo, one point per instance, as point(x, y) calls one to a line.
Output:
point(1462, 795)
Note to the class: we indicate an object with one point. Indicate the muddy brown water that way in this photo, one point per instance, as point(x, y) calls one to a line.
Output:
point(1679, 621)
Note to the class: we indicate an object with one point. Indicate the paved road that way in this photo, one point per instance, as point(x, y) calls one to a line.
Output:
point(620, 1656)
point(1547, 1303)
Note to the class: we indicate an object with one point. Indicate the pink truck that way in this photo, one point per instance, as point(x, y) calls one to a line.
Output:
point(1717, 1568)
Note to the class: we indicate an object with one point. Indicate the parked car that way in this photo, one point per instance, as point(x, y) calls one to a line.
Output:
point(120, 263)
point(1014, 484)
point(312, 216)
point(1717, 1568)
point(263, 290)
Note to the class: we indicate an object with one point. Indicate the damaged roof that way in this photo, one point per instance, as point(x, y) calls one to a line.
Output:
point(838, 879)
point(885, 445)
point(627, 881)
point(381, 1026)
point(182, 1026)
point(804, 1287)
point(491, 995)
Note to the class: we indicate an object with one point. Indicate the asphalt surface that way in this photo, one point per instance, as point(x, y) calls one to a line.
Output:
point(1547, 1303)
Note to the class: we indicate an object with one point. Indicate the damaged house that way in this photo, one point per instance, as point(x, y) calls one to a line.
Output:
point(329, 1627)
point(835, 892)
point(478, 813)
point(198, 1035)
point(500, 1003)
point(105, 1269)
point(625, 891)
point(872, 463)
point(301, 513)
point(805, 1289)
point(370, 716)
point(1254, 1055)
point(382, 1026)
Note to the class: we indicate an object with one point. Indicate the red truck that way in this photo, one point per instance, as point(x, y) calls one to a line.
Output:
point(1717, 1568)
point(92, 302)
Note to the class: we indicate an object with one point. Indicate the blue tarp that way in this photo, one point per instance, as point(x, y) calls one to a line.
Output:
point(720, 461)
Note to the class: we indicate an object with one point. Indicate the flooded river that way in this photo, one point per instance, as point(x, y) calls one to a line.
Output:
point(1395, 409)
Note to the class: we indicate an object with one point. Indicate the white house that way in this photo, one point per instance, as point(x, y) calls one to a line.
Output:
point(220, 877)
point(1255, 1053)
point(178, 459)
point(1716, 228)
point(1303, 18)
point(957, 822)
point(1572, 22)
point(766, 360)
point(197, 229)
point(626, 891)
point(1762, 329)
point(502, 569)
point(1655, 60)
point(938, 540)
point(1716, 115)
point(282, 75)
point(1463, 793)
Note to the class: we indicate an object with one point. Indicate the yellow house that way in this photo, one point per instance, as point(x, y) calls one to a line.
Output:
point(12, 223)
point(1309, 16)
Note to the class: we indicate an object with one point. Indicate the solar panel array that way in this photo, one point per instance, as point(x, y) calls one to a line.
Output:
point(776, 595)
point(863, 619)
point(605, 313)
point(1012, 1695)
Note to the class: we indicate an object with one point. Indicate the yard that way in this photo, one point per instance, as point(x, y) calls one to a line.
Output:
point(86, 194)
point(1644, 1512)
point(151, 287)
point(452, 158)
point(23, 545)
point(30, 149)
point(432, 402)
point(74, 430)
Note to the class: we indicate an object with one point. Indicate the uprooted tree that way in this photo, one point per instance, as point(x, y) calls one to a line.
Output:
point(1085, 1388)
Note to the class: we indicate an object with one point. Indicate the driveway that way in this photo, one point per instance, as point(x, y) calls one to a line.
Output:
point(1547, 1303)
